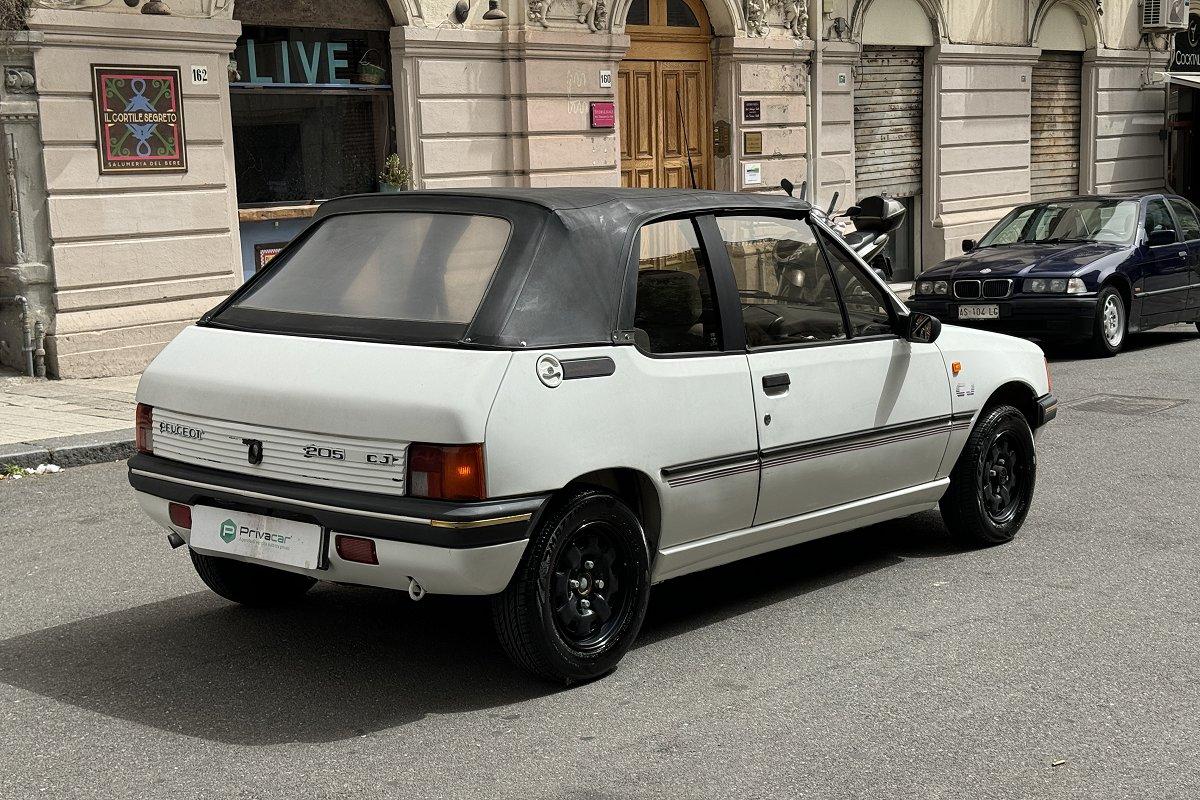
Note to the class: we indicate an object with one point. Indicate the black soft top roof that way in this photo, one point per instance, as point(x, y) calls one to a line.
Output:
point(561, 279)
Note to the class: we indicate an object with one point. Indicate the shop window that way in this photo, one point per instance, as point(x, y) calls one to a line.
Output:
point(312, 113)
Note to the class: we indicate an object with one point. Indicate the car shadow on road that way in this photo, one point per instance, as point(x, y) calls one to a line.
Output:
point(1161, 337)
point(348, 661)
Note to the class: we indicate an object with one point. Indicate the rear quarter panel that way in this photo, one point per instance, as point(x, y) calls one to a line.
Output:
point(649, 414)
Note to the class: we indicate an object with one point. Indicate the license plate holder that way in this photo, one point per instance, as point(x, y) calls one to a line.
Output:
point(979, 311)
point(271, 540)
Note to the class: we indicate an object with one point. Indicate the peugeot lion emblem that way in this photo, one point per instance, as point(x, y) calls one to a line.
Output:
point(253, 450)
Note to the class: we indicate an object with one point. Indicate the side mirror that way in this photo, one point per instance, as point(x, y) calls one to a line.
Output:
point(968, 245)
point(1159, 238)
point(922, 328)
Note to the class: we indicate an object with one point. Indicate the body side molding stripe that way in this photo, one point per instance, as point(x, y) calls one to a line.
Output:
point(739, 463)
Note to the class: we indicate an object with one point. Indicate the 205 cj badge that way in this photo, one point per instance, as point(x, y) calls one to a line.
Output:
point(549, 371)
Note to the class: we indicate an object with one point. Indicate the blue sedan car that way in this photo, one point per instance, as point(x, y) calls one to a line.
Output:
point(1080, 269)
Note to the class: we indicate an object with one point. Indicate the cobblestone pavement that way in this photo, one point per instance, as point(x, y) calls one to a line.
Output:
point(32, 410)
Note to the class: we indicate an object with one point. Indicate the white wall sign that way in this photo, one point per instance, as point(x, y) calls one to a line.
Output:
point(606, 79)
point(199, 75)
point(842, 79)
point(752, 174)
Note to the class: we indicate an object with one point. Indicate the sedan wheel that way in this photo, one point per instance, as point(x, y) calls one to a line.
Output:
point(1109, 332)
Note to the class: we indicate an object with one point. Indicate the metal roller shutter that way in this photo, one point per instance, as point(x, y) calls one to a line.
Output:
point(888, 101)
point(1054, 149)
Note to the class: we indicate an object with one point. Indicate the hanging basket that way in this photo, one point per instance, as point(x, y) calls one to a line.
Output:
point(368, 71)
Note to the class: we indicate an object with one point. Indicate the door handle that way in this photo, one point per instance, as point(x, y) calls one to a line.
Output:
point(1183, 253)
point(776, 384)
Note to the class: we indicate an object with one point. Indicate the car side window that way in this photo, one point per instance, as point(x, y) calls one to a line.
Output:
point(1187, 220)
point(676, 308)
point(866, 307)
point(786, 290)
point(1158, 218)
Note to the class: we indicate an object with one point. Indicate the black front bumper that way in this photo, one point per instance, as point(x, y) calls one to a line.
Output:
point(400, 519)
point(1048, 318)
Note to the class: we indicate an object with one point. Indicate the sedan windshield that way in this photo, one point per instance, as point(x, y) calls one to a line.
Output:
point(1084, 220)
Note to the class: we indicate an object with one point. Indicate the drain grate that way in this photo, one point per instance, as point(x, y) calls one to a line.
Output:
point(1124, 404)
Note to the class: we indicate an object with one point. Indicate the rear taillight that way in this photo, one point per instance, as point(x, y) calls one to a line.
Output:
point(446, 472)
point(144, 428)
point(181, 515)
point(356, 548)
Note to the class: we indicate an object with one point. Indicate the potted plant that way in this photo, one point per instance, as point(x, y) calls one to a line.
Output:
point(396, 175)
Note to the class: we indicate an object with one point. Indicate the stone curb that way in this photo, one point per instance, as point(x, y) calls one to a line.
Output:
point(70, 451)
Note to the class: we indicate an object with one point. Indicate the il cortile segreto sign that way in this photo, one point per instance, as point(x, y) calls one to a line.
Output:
point(139, 119)
point(1187, 47)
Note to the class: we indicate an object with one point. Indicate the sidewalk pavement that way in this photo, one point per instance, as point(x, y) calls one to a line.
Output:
point(67, 422)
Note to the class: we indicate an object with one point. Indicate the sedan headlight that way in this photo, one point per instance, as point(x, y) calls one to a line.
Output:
point(1054, 285)
point(933, 287)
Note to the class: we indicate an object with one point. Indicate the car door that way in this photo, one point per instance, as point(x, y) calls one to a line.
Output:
point(846, 409)
point(1189, 227)
point(1165, 269)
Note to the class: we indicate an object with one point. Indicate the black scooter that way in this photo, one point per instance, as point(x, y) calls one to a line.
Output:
point(875, 218)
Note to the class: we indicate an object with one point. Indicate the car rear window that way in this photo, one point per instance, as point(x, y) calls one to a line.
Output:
point(393, 265)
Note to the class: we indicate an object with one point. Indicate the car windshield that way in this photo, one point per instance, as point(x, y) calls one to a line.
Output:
point(1084, 220)
point(395, 265)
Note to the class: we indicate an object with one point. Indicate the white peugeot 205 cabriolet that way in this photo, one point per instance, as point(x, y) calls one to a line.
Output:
point(560, 397)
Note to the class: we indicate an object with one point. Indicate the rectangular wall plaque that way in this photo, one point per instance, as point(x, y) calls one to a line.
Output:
point(751, 110)
point(752, 143)
point(139, 119)
point(604, 114)
point(752, 174)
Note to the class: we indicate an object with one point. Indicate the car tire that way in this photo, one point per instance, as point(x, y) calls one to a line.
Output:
point(991, 485)
point(579, 595)
point(249, 584)
point(1111, 325)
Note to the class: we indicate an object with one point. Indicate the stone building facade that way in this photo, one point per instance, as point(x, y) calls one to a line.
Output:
point(964, 107)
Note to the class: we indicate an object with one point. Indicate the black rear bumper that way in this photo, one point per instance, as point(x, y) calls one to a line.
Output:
point(400, 519)
point(1047, 409)
point(1048, 318)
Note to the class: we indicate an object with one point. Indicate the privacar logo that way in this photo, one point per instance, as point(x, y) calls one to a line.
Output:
point(228, 531)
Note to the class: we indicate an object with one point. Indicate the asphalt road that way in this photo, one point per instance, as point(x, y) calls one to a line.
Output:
point(882, 663)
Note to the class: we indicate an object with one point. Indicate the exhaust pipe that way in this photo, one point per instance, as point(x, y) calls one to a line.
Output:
point(175, 540)
point(415, 590)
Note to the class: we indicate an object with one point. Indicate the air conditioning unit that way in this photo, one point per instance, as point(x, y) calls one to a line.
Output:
point(1164, 16)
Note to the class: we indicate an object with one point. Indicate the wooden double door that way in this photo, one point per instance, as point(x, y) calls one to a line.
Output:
point(664, 123)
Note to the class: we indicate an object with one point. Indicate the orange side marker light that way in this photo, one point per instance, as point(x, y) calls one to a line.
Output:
point(956, 367)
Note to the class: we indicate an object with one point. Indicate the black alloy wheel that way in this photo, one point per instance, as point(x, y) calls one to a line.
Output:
point(586, 589)
point(1000, 478)
point(579, 595)
point(992, 483)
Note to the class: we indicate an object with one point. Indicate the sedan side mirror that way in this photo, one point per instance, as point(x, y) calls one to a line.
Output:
point(968, 245)
point(922, 328)
point(1159, 238)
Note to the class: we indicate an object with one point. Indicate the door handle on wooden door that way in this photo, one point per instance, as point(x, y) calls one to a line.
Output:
point(776, 384)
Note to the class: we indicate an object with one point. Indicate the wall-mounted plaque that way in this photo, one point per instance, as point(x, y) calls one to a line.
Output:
point(139, 119)
point(265, 251)
point(721, 137)
point(752, 143)
point(604, 114)
point(751, 110)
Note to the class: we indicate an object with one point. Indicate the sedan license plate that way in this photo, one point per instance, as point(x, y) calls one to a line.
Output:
point(979, 312)
point(279, 541)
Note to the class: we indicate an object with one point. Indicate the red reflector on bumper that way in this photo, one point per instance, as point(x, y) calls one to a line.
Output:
point(181, 515)
point(354, 548)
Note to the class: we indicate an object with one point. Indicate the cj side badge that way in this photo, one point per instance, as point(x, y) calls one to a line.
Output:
point(549, 371)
